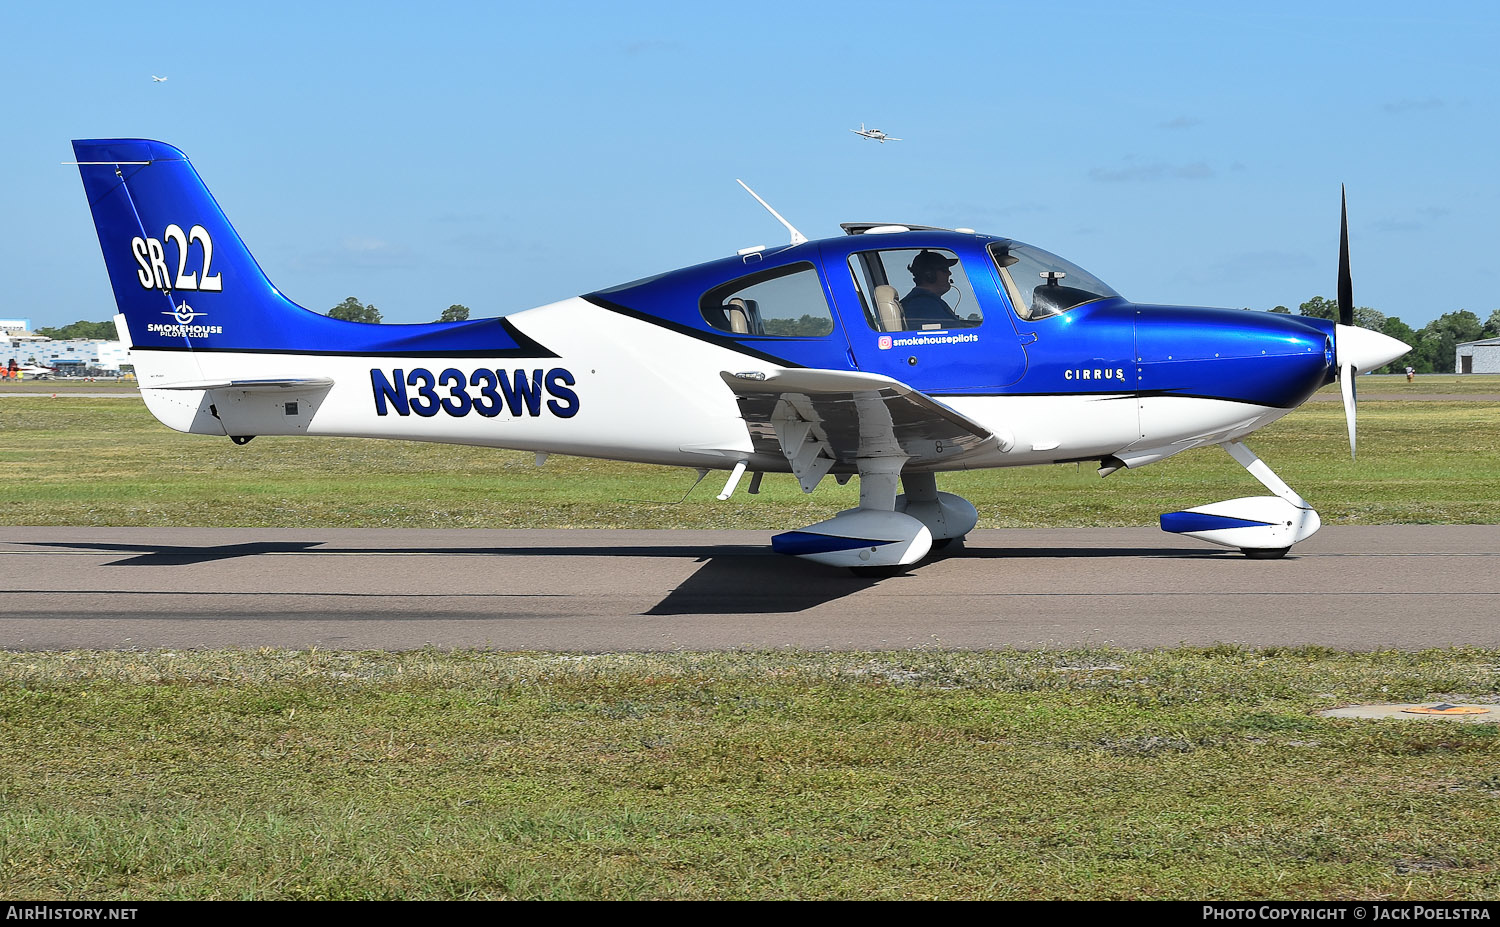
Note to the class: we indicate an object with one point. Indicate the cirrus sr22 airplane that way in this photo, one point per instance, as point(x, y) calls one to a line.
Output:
point(893, 353)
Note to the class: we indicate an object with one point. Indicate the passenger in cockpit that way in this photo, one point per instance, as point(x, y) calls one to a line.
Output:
point(924, 305)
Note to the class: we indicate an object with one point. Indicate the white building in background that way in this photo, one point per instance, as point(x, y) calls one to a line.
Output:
point(80, 356)
point(85, 356)
point(1481, 356)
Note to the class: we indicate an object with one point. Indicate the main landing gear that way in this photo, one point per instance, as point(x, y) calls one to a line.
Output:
point(887, 531)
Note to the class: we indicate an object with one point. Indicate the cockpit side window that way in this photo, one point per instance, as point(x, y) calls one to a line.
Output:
point(914, 289)
point(1041, 284)
point(786, 301)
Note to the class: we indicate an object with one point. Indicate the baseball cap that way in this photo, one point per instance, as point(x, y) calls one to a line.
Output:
point(930, 260)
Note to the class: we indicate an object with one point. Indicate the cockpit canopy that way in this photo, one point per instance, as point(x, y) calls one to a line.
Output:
point(807, 291)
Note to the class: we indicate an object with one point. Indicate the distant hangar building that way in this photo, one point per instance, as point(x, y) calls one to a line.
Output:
point(72, 357)
point(1481, 356)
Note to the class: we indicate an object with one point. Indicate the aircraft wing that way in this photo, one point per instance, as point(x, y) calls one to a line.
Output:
point(818, 418)
point(249, 385)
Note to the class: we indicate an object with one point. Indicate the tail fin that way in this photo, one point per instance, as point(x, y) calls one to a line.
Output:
point(182, 277)
point(185, 281)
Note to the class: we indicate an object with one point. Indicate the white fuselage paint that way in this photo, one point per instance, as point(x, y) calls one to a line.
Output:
point(641, 393)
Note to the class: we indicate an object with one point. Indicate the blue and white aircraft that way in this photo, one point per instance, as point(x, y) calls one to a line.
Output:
point(876, 134)
point(892, 353)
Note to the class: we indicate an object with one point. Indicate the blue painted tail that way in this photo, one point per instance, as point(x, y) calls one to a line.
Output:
point(185, 281)
point(181, 275)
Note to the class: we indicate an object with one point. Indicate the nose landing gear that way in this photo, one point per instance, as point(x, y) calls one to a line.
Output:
point(1262, 527)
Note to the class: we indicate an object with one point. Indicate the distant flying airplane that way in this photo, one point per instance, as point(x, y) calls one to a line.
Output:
point(876, 134)
point(802, 359)
point(159, 80)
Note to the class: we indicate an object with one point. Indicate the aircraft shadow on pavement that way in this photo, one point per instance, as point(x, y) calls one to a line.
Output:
point(733, 579)
point(759, 583)
point(185, 555)
point(767, 583)
point(169, 555)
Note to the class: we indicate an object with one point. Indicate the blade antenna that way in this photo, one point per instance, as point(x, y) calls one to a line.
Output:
point(797, 237)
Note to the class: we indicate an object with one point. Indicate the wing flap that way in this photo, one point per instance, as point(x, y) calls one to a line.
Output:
point(817, 419)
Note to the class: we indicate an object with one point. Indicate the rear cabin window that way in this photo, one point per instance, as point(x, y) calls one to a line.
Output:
point(779, 301)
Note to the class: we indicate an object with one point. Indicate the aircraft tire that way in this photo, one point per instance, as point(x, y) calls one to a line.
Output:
point(1264, 553)
point(878, 572)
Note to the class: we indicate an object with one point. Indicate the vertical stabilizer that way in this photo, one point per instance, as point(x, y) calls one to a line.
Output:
point(181, 276)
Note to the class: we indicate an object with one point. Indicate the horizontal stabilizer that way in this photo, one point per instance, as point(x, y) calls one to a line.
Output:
point(250, 385)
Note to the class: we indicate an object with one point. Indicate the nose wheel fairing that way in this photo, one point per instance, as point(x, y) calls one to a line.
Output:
point(1263, 527)
point(1251, 524)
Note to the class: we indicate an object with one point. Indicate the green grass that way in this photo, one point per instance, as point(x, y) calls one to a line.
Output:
point(1191, 773)
point(1424, 384)
point(76, 461)
point(1100, 774)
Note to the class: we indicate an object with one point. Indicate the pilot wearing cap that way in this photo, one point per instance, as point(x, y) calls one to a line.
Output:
point(924, 305)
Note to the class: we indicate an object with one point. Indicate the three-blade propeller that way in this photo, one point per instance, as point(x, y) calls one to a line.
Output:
point(1355, 349)
point(1346, 317)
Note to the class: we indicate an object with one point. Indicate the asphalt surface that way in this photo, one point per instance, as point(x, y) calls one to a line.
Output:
point(1354, 588)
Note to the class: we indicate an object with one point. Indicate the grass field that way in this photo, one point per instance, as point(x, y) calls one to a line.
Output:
point(1181, 774)
point(1190, 773)
point(77, 461)
point(1426, 384)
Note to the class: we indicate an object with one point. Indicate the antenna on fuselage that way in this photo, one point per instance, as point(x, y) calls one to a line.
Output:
point(797, 237)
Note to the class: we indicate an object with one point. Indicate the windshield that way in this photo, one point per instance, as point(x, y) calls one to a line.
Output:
point(1042, 284)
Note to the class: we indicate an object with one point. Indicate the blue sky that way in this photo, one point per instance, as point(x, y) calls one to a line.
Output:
point(504, 155)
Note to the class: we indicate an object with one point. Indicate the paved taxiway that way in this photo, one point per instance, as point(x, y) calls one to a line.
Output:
point(1355, 588)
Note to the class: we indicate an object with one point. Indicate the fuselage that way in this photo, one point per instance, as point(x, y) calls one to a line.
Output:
point(633, 372)
point(1022, 342)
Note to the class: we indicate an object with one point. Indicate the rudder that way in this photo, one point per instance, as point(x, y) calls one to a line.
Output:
point(181, 275)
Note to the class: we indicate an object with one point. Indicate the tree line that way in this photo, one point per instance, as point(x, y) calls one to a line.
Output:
point(352, 310)
point(96, 331)
point(1432, 346)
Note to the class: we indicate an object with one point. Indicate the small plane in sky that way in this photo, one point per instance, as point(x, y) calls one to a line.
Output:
point(804, 358)
point(159, 80)
point(876, 134)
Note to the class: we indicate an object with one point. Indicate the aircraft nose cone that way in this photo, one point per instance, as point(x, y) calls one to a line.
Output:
point(1364, 349)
